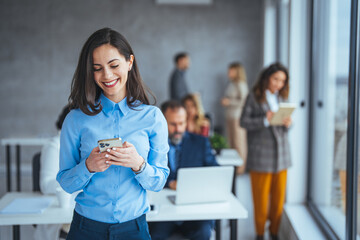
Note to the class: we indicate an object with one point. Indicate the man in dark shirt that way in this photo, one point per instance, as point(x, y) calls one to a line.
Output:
point(186, 150)
point(178, 86)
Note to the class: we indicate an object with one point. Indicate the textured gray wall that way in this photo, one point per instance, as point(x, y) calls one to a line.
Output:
point(41, 41)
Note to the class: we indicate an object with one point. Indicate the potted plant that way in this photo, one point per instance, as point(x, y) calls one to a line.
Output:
point(218, 142)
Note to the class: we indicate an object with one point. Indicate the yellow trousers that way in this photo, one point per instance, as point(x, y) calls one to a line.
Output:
point(268, 190)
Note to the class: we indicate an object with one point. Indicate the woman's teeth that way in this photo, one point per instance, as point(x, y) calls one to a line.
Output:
point(110, 83)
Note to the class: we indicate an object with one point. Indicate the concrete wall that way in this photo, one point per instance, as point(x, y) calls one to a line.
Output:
point(41, 41)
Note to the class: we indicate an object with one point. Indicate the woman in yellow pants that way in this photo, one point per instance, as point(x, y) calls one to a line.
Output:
point(268, 147)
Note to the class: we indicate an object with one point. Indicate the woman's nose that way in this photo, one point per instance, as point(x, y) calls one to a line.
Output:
point(107, 74)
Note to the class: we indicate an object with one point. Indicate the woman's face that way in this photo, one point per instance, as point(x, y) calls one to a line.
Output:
point(276, 81)
point(190, 108)
point(232, 74)
point(111, 71)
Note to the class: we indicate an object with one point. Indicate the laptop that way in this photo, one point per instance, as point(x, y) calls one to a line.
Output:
point(203, 185)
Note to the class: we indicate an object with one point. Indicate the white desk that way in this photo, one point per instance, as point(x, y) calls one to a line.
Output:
point(229, 157)
point(52, 215)
point(18, 142)
point(166, 211)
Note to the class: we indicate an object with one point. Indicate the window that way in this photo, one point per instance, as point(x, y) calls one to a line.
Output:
point(329, 113)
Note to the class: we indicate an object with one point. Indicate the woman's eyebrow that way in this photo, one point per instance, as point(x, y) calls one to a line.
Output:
point(108, 62)
point(112, 60)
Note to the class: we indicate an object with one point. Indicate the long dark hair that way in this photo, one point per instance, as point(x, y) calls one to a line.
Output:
point(263, 82)
point(62, 116)
point(85, 92)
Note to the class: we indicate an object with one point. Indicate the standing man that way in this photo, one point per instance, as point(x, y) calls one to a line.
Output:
point(186, 150)
point(178, 86)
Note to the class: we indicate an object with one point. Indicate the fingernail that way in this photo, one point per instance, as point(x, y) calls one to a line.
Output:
point(106, 155)
point(114, 149)
point(106, 161)
point(108, 150)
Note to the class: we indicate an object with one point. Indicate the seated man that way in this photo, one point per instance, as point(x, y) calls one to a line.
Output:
point(186, 150)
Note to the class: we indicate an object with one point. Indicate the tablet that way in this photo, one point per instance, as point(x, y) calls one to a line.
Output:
point(285, 110)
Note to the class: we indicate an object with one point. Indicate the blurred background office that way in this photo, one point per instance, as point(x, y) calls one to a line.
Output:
point(40, 47)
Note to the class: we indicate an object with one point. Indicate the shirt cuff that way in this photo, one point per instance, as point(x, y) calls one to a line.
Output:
point(148, 171)
point(84, 172)
point(266, 122)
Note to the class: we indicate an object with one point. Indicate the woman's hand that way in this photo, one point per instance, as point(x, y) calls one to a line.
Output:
point(125, 156)
point(269, 115)
point(96, 162)
point(225, 102)
point(287, 122)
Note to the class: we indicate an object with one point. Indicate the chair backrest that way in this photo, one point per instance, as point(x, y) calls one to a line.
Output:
point(36, 172)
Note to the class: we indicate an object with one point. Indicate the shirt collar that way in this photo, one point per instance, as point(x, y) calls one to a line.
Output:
point(268, 93)
point(109, 106)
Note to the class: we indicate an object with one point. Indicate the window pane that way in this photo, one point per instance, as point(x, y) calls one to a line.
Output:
point(329, 116)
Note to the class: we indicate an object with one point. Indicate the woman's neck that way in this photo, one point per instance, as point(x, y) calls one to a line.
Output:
point(117, 98)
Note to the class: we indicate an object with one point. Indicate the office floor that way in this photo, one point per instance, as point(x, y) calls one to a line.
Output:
point(245, 227)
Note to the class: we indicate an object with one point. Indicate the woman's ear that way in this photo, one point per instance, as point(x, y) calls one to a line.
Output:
point(131, 61)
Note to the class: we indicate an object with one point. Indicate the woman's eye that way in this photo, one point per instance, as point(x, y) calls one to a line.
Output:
point(97, 69)
point(115, 66)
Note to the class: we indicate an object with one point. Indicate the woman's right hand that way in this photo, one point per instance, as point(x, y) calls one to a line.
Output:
point(97, 162)
point(269, 115)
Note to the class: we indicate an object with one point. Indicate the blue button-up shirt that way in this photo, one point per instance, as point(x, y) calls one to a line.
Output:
point(117, 194)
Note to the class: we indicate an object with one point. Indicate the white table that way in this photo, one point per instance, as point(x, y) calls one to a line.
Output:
point(52, 215)
point(166, 211)
point(229, 157)
point(17, 142)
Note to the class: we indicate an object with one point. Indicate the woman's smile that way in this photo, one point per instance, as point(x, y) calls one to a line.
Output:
point(112, 83)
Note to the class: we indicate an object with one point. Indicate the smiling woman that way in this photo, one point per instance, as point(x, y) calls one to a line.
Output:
point(107, 98)
point(111, 71)
point(105, 57)
point(269, 150)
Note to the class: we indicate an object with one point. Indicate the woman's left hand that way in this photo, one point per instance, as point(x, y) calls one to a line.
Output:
point(125, 156)
point(287, 122)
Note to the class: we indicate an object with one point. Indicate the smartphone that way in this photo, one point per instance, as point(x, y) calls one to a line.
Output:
point(109, 143)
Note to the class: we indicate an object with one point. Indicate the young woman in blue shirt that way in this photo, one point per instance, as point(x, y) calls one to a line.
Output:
point(109, 100)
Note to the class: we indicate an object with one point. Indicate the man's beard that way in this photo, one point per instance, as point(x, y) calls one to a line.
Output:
point(176, 139)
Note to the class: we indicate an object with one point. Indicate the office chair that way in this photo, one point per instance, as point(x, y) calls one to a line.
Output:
point(36, 172)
